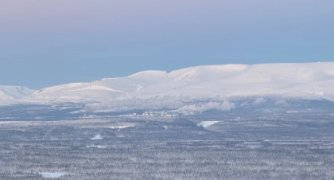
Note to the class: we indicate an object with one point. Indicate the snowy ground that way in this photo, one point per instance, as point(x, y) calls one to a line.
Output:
point(290, 147)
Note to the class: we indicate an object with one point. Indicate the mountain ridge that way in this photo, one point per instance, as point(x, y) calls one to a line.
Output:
point(290, 80)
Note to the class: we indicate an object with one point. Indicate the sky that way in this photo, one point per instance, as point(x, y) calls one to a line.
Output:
point(44, 43)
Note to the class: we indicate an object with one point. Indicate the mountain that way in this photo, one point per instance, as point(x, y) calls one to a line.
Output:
point(194, 89)
point(309, 80)
point(9, 94)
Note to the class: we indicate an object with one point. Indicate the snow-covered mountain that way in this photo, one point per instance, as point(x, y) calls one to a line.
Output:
point(10, 94)
point(311, 80)
point(182, 89)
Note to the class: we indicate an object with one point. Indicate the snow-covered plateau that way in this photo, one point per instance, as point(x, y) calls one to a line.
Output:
point(190, 90)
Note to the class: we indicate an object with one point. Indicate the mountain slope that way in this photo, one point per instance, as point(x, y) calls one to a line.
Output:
point(10, 94)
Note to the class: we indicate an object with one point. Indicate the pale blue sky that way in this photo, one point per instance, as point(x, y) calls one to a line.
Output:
point(50, 42)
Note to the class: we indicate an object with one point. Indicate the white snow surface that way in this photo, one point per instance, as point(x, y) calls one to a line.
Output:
point(206, 124)
point(97, 137)
point(160, 89)
point(52, 175)
point(123, 126)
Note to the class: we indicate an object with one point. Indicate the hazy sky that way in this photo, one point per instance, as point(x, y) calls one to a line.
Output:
point(47, 42)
